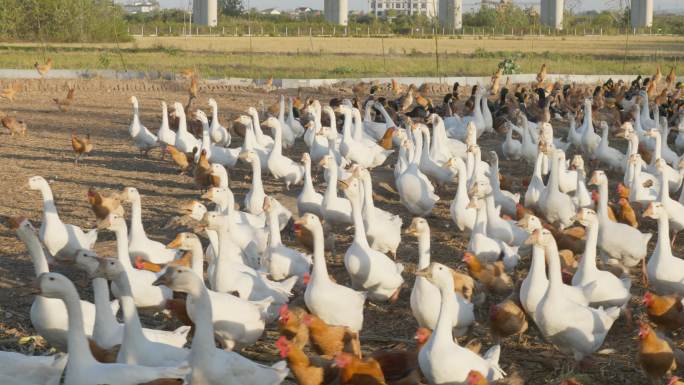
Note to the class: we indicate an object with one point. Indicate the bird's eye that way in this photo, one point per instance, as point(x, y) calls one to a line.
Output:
point(179, 271)
point(51, 279)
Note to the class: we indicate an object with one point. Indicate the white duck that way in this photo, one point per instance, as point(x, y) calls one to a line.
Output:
point(590, 140)
point(360, 152)
point(20, 369)
point(82, 369)
point(536, 186)
point(336, 210)
point(287, 133)
point(185, 141)
point(383, 228)
point(250, 142)
point(136, 349)
point(62, 241)
point(637, 181)
point(609, 290)
point(263, 140)
point(167, 137)
point(218, 133)
point(570, 326)
point(556, 206)
point(308, 200)
point(581, 198)
point(280, 261)
point(141, 280)
point(416, 192)
point(369, 269)
point(574, 135)
point(139, 245)
point(237, 322)
point(142, 137)
point(507, 200)
point(617, 240)
point(437, 357)
point(441, 174)
point(212, 366)
point(613, 158)
point(675, 210)
point(511, 148)
point(282, 167)
point(485, 248)
point(333, 303)
point(294, 124)
point(215, 153)
point(444, 148)
point(462, 215)
point(664, 271)
point(425, 296)
point(254, 199)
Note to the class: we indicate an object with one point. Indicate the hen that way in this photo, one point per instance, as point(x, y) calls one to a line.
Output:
point(329, 340)
point(655, 354)
point(507, 318)
point(14, 125)
point(491, 275)
point(307, 370)
point(64, 104)
point(43, 68)
point(665, 311)
point(10, 92)
point(81, 146)
point(102, 205)
point(292, 327)
point(357, 371)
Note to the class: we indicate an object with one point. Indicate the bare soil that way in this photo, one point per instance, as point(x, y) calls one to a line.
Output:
point(102, 109)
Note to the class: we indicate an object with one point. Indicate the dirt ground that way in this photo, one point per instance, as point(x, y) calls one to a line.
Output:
point(103, 110)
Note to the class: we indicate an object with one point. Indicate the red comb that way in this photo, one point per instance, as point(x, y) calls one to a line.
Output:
point(306, 278)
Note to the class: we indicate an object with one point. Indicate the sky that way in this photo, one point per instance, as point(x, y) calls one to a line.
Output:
point(363, 4)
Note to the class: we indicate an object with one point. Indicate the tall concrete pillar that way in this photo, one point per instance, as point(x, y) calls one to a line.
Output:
point(451, 13)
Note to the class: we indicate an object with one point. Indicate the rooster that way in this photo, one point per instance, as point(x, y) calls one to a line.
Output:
point(10, 92)
point(655, 354)
point(81, 146)
point(43, 69)
point(63, 104)
point(14, 125)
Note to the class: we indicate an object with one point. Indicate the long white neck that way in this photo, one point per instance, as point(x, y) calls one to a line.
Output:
point(331, 190)
point(426, 143)
point(35, 250)
point(664, 192)
point(346, 126)
point(104, 318)
point(461, 188)
point(225, 249)
point(79, 350)
point(257, 184)
point(206, 143)
point(358, 125)
point(553, 179)
point(214, 115)
point(133, 333)
point(308, 182)
point(588, 262)
point(423, 249)
point(538, 266)
point(203, 340)
point(122, 248)
point(49, 207)
point(657, 151)
point(359, 228)
point(418, 144)
point(257, 126)
point(182, 123)
point(368, 204)
point(281, 112)
point(663, 248)
point(277, 139)
point(320, 268)
point(443, 331)
point(135, 127)
point(554, 271)
point(603, 200)
point(480, 226)
point(136, 217)
point(273, 228)
point(197, 262)
point(165, 117)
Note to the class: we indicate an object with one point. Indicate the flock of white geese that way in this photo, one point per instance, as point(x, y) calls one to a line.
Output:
point(250, 273)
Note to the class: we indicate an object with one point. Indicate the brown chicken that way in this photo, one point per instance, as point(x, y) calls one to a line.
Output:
point(292, 327)
point(307, 371)
point(386, 140)
point(358, 371)
point(623, 191)
point(180, 159)
point(658, 76)
point(194, 88)
point(81, 146)
point(665, 311)
point(400, 367)
point(627, 214)
point(105, 356)
point(102, 205)
point(178, 309)
point(187, 73)
point(423, 101)
point(64, 104)
point(655, 354)
point(541, 75)
point(675, 381)
point(203, 172)
point(44, 68)
point(10, 92)
point(14, 125)
point(507, 318)
point(671, 78)
point(476, 378)
point(595, 197)
point(329, 340)
point(662, 98)
point(491, 275)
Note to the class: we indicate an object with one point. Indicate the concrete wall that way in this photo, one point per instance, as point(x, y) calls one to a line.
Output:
point(451, 14)
point(205, 12)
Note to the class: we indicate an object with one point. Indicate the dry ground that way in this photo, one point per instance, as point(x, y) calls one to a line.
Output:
point(104, 111)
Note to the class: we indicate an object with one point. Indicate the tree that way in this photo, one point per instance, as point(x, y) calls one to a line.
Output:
point(231, 7)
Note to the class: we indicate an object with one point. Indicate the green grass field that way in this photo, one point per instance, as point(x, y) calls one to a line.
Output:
point(262, 57)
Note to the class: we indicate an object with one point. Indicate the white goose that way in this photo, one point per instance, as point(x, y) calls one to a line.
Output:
point(280, 261)
point(139, 244)
point(444, 148)
point(263, 140)
point(217, 132)
point(442, 174)
point(237, 322)
point(141, 280)
point(282, 167)
point(675, 210)
point(167, 137)
point(360, 152)
point(581, 198)
point(462, 215)
point(613, 158)
point(254, 199)
point(19, 369)
point(250, 142)
point(383, 228)
point(142, 137)
point(82, 369)
point(507, 200)
point(437, 357)
point(215, 154)
point(590, 140)
point(664, 271)
point(185, 141)
point(556, 206)
point(333, 303)
point(62, 241)
point(568, 325)
point(336, 210)
point(536, 186)
point(212, 366)
point(416, 192)
point(511, 148)
point(425, 296)
point(286, 132)
point(369, 269)
point(308, 200)
point(136, 349)
point(294, 124)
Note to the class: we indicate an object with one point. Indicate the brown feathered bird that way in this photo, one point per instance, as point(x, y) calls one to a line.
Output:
point(44, 68)
point(187, 73)
point(627, 214)
point(541, 75)
point(507, 318)
point(194, 88)
point(14, 125)
point(655, 354)
point(180, 159)
point(358, 371)
point(103, 205)
point(666, 311)
point(671, 78)
point(65, 103)
point(203, 172)
point(10, 92)
point(81, 146)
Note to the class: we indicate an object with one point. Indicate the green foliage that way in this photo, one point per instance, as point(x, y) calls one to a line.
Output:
point(61, 20)
point(509, 66)
point(103, 60)
point(231, 7)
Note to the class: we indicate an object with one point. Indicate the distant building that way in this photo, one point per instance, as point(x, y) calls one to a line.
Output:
point(551, 13)
point(271, 12)
point(205, 12)
point(336, 11)
point(451, 14)
point(141, 7)
point(409, 7)
point(642, 13)
point(301, 10)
